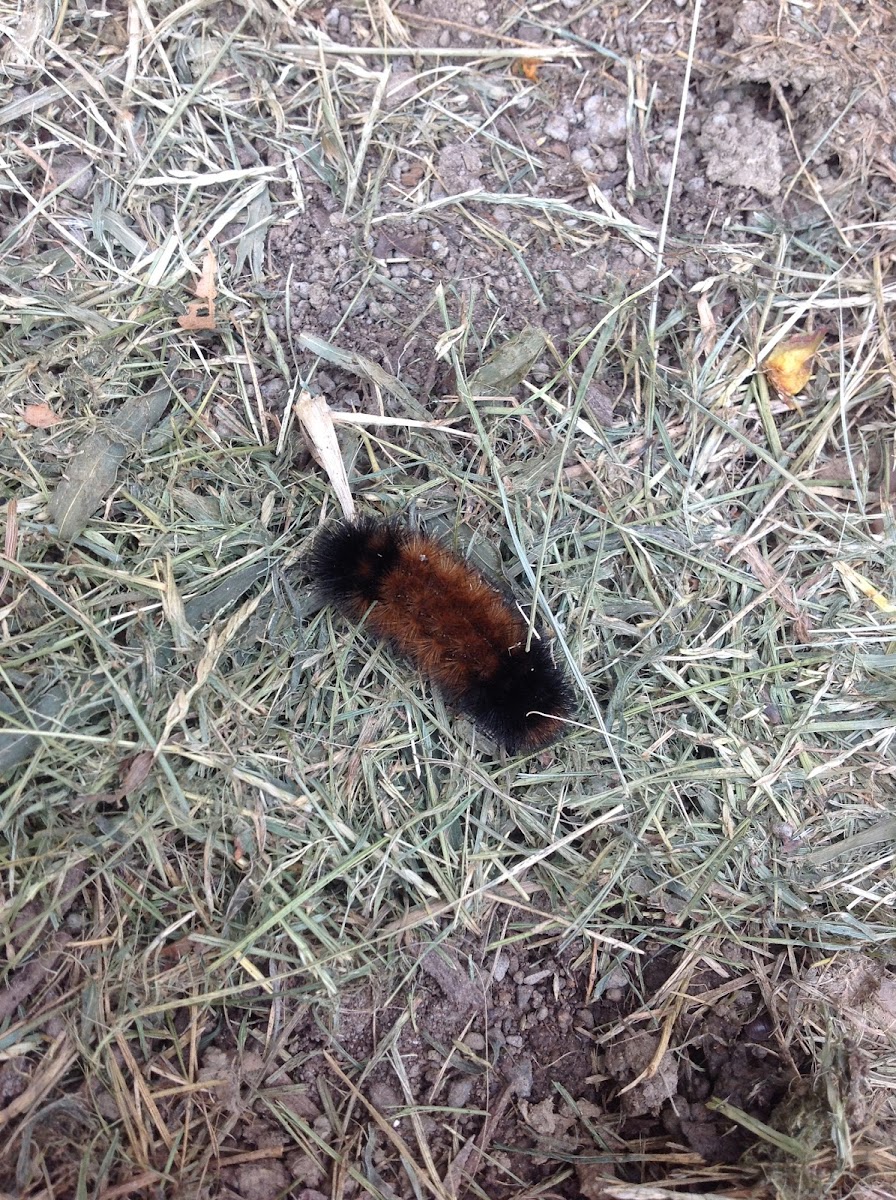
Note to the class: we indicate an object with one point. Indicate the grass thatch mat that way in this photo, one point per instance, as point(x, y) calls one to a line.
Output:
point(275, 923)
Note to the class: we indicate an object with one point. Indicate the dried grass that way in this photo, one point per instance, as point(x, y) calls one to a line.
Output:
point(218, 808)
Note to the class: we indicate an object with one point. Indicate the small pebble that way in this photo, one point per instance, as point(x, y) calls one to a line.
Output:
point(460, 1091)
point(557, 127)
point(501, 967)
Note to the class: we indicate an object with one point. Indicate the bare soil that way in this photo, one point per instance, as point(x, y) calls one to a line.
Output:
point(518, 1069)
point(783, 116)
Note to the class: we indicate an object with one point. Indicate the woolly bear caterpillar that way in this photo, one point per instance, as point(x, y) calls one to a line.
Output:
point(460, 630)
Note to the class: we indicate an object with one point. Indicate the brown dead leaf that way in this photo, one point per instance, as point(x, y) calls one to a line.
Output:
point(132, 772)
point(41, 416)
point(193, 319)
point(789, 366)
point(136, 771)
point(183, 947)
point(412, 176)
point(330, 146)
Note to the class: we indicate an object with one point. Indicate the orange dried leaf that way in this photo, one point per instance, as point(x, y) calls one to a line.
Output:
point(41, 416)
point(789, 366)
point(528, 68)
point(193, 319)
point(205, 288)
